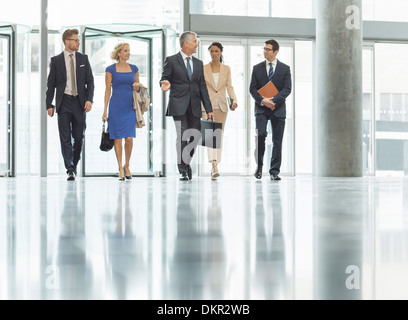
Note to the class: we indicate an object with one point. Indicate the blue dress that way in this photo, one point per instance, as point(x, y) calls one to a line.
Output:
point(122, 116)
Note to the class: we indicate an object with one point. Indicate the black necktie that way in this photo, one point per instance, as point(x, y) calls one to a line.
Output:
point(270, 71)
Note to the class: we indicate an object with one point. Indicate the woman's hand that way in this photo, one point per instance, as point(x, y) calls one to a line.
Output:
point(136, 86)
point(104, 117)
point(234, 106)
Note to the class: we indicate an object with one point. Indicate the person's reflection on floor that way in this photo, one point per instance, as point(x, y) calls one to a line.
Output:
point(123, 216)
point(71, 256)
point(122, 245)
point(186, 263)
point(270, 244)
point(214, 247)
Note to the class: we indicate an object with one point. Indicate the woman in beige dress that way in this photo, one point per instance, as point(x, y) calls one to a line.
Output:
point(218, 79)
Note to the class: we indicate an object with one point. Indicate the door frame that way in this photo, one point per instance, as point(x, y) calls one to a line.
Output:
point(9, 33)
point(140, 35)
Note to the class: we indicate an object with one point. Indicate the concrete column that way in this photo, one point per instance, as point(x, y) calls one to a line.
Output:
point(338, 117)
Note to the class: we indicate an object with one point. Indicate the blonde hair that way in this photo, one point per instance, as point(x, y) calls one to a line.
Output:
point(118, 48)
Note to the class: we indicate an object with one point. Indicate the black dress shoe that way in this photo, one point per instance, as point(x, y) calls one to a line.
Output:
point(183, 176)
point(189, 172)
point(71, 176)
point(258, 172)
point(275, 177)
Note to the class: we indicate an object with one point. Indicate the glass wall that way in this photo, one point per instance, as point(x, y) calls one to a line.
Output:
point(385, 10)
point(368, 111)
point(391, 112)
point(255, 8)
point(303, 117)
point(164, 13)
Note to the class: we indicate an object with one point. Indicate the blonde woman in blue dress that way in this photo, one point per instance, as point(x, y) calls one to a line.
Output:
point(121, 79)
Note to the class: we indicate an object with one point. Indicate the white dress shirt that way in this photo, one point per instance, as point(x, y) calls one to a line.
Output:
point(185, 60)
point(274, 63)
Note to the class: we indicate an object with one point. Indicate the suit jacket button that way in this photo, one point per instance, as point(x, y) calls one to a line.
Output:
point(216, 91)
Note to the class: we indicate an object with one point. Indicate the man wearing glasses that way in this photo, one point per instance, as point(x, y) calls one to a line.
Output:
point(184, 74)
point(71, 75)
point(271, 109)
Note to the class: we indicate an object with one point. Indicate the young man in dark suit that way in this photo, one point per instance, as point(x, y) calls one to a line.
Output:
point(184, 74)
point(71, 76)
point(270, 109)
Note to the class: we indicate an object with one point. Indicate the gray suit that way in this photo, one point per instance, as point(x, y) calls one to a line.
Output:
point(185, 103)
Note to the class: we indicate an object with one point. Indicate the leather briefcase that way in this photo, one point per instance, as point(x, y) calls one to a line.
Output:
point(211, 134)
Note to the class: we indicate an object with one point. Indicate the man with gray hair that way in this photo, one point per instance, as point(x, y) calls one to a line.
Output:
point(183, 75)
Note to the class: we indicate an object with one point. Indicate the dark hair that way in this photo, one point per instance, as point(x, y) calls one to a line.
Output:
point(68, 33)
point(219, 46)
point(275, 45)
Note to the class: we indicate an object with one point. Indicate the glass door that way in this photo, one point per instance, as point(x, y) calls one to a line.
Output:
point(5, 102)
point(98, 43)
point(239, 135)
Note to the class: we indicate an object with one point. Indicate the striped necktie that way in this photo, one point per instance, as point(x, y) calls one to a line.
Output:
point(270, 71)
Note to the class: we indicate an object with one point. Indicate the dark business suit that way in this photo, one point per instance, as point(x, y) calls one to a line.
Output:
point(282, 80)
point(71, 113)
point(185, 104)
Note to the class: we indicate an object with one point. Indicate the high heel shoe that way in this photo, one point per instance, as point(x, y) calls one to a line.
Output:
point(214, 173)
point(127, 177)
point(122, 178)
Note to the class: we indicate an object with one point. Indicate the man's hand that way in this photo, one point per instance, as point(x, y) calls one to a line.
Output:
point(210, 116)
point(88, 106)
point(165, 85)
point(50, 112)
point(234, 106)
point(267, 102)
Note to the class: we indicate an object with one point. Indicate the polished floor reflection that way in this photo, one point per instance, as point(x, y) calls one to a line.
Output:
point(236, 238)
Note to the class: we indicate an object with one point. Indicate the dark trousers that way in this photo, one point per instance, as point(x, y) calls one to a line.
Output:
point(71, 125)
point(188, 130)
point(278, 127)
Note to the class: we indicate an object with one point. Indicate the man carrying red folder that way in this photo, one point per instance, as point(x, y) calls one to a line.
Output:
point(270, 106)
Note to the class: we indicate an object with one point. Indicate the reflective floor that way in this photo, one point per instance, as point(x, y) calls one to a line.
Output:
point(237, 238)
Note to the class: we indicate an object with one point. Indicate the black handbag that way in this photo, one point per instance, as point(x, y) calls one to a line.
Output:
point(106, 143)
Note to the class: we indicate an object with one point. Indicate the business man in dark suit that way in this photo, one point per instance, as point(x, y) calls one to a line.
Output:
point(271, 109)
point(71, 76)
point(184, 74)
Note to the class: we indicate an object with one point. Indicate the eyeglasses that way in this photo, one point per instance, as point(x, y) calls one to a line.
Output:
point(76, 40)
point(268, 50)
